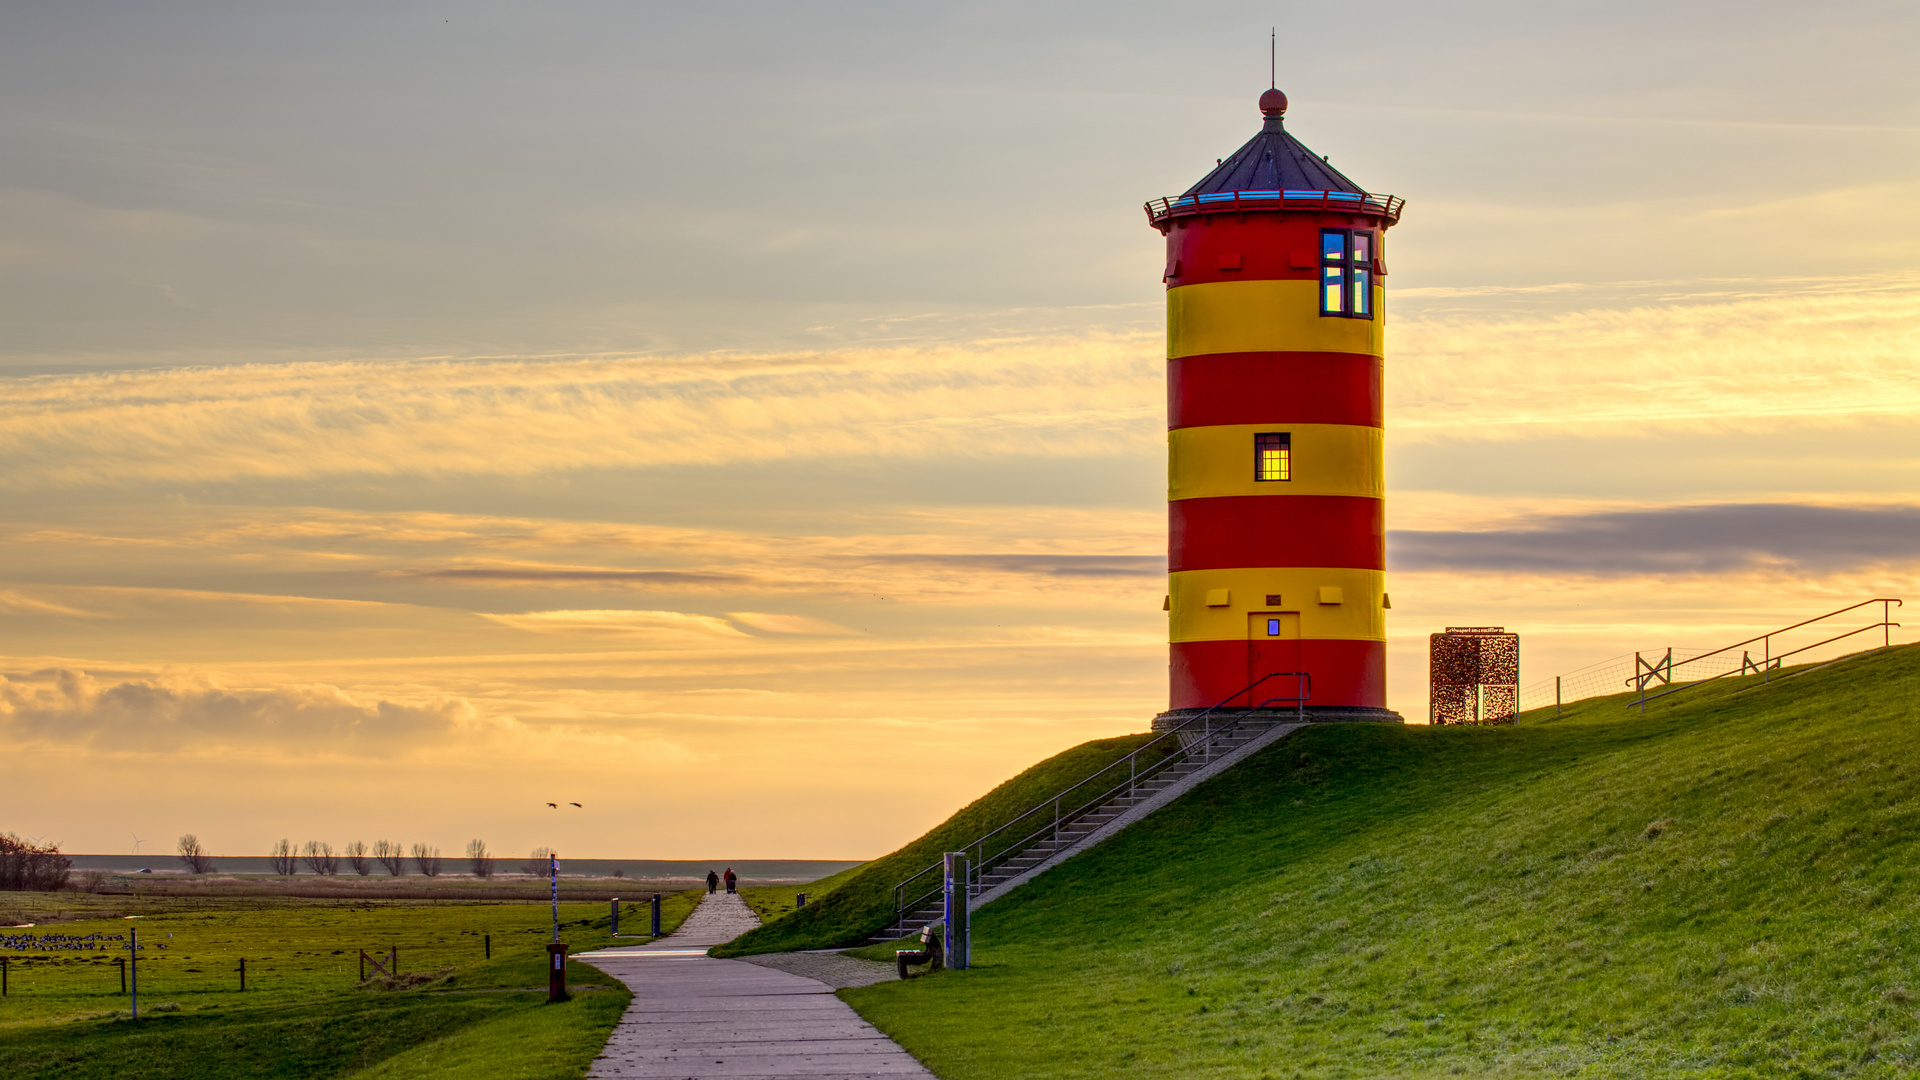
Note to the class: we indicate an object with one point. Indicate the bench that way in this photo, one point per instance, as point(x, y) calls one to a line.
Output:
point(931, 953)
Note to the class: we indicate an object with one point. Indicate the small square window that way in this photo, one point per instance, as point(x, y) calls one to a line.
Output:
point(1273, 627)
point(1273, 456)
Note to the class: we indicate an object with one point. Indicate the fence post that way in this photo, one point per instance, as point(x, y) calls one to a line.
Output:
point(243, 974)
point(616, 916)
point(1556, 695)
point(4, 961)
point(133, 947)
point(656, 914)
point(487, 939)
point(1766, 654)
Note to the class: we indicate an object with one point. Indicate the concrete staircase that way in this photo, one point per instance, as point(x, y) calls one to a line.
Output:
point(1193, 753)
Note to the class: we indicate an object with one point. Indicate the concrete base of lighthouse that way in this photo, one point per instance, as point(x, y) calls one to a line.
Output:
point(1312, 714)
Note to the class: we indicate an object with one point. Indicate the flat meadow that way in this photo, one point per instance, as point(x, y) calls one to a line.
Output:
point(305, 1011)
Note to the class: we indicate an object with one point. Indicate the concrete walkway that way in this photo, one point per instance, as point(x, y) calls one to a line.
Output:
point(694, 1017)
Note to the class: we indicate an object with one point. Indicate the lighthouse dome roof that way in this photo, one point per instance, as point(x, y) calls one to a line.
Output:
point(1273, 161)
point(1274, 171)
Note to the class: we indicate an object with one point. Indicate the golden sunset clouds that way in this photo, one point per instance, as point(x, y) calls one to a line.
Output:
point(752, 630)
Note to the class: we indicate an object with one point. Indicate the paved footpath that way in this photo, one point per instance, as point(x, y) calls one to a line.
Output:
point(694, 1017)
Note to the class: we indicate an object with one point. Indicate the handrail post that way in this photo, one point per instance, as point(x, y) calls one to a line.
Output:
point(1766, 654)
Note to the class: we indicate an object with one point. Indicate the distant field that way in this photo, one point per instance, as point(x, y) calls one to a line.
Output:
point(681, 871)
point(304, 1012)
point(120, 889)
point(1728, 887)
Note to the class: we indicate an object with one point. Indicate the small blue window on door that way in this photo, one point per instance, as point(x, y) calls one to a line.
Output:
point(1273, 627)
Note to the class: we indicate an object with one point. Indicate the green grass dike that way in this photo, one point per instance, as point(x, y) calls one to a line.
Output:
point(1726, 887)
point(305, 1012)
point(855, 904)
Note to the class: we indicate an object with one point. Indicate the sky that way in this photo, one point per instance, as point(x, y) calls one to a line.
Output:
point(747, 420)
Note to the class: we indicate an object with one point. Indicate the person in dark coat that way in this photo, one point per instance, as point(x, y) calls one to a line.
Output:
point(730, 879)
point(713, 881)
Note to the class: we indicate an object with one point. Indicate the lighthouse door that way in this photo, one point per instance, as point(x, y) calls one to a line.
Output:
point(1273, 645)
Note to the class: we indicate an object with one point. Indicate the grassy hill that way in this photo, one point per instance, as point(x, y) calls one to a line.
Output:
point(1726, 887)
point(861, 901)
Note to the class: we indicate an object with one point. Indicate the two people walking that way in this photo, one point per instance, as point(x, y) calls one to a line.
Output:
point(713, 880)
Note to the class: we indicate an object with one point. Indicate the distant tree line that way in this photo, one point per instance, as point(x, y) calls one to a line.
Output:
point(30, 867)
point(319, 858)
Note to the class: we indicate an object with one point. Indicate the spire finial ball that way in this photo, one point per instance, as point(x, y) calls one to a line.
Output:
point(1273, 103)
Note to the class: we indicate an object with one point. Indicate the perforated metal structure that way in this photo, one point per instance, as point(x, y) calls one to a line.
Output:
point(1474, 675)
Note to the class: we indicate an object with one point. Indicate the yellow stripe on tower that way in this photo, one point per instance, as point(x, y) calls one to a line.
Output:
point(1265, 316)
point(1358, 615)
point(1326, 459)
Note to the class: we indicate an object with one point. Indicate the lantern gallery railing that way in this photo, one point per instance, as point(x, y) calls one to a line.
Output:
point(1387, 206)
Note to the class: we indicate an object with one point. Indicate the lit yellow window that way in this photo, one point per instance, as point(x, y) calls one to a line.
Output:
point(1273, 456)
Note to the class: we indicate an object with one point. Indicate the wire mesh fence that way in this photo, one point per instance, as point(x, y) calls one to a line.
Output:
point(1615, 675)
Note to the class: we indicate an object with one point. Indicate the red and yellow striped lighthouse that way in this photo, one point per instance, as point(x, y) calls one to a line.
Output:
point(1275, 476)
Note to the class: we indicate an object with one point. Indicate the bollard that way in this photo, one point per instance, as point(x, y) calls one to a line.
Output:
point(489, 940)
point(615, 904)
point(557, 971)
point(799, 900)
point(656, 914)
point(959, 943)
point(243, 974)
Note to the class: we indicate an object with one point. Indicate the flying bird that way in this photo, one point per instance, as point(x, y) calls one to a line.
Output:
point(553, 806)
point(576, 804)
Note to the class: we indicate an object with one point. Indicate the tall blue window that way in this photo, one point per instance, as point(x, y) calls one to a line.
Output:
point(1346, 273)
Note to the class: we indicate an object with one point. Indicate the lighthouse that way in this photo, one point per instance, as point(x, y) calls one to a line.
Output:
point(1275, 474)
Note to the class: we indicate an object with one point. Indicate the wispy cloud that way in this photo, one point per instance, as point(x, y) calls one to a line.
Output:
point(198, 715)
point(1805, 353)
point(1043, 564)
point(666, 625)
point(521, 417)
point(13, 602)
point(1685, 540)
point(545, 576)
point(774, 623)
point(1748, 362)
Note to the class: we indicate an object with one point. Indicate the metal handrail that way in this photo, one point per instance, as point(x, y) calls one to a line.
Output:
point(1387, 206)
point(1769, 662)
point(979, 864)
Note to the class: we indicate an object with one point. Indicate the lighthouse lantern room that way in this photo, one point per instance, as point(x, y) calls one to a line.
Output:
point(1275, 476)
